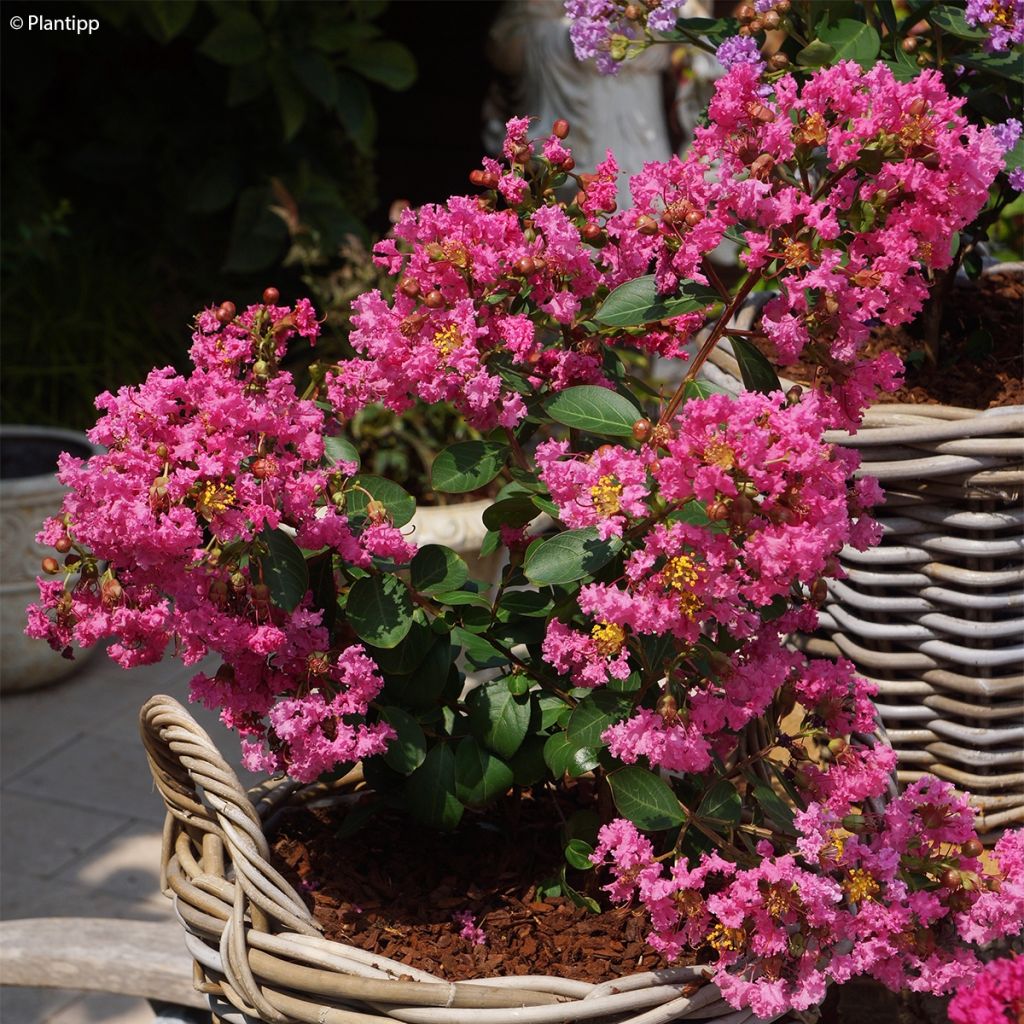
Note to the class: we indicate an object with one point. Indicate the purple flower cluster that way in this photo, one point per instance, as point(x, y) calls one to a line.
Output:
point(740, 50)
point(1004, 20)
point(595, 23)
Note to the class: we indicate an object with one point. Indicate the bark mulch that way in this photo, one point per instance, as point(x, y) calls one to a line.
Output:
point(394, 888)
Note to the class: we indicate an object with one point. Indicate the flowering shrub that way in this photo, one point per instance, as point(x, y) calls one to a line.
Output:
point(641, 638)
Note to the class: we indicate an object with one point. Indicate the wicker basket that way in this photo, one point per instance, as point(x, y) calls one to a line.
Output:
point(935, 614)
point(259, 954)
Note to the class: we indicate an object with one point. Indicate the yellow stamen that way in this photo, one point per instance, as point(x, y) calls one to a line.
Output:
point(609, 638)
point(813, 131)
point(720, 455)
point(605, 495)
point(861, 885)
point(680, 574)
point(779, 899)
point(447, 340)
point(721, 938)
point(214, 498)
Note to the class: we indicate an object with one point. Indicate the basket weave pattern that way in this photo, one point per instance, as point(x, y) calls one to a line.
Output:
point(259, 954)
point(934, 615)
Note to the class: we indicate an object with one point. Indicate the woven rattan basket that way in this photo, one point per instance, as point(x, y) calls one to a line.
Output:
point(259, 954)
point(935, 614)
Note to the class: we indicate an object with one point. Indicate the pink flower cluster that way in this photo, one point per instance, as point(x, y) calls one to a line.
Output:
point(994, 996)
point(862, 894)
point(165, 532)
point(847, 193)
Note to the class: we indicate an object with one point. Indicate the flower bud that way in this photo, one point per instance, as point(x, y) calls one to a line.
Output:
point(641, 430)
point(646, 225)
point(632, 12)
point(560, 129)
point(972, 848)
point(110, 593)
point(271, 296)
point(819, 591)
point(771, 20)
point(433, 299)
point(746, 13)
point(741, 511)
point(757, 25)
point(718, 510)
point(476, 178)
point(51, 566)
point(63, 544)
point(794, 394)
point(778, 61)
point(909, 45)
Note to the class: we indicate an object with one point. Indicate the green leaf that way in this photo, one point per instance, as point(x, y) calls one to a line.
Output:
point(409, 654)
point(569, 556)
point(758, 374)
point(563, 757)
point(721, 804)
point(283, 569)
point(586, 902)
point(525, 602)
point(467, 466)
point(702, 389)
point(1006, 65)
point(339, 449)
point(852, 40)
point(816, 54)
point(645, 799)
point(775, 807)
point(499, 718)
point(458, 598)
point(430, 790)
point(239, 39)
point(290, 103)
point(1015, 157)
point(399, 503)
point(258, 236)
point(420, 689)
point(528, 767)
point(637, 302)
point(478, 652)
point(951, 19)
point(408, 750)
point(630, 684)
point(355, 108)
point(577, 854)
point(480, 776)
point(170, 17)
point(436, 569)
point(379, 609)
point(384, 61)
point(515, 511)
point(595, 409)
point(316, 75)
point(594, 714)
point(324, 587)
point(903, 66)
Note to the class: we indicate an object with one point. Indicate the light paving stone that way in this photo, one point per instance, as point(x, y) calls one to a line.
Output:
point(98, 773)
point(24, 896)
point(100, 1008)
point(39, 837)
point(33, 1005)
point(125, 864)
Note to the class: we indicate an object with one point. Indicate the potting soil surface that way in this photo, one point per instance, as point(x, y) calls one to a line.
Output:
point(395, 888)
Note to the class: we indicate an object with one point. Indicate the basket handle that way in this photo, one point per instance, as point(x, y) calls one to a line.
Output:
point(202, 793)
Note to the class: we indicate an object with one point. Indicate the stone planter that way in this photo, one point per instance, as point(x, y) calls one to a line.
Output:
point(461, 528)
point(259, 954)
point(935, 614)
point(29, 493)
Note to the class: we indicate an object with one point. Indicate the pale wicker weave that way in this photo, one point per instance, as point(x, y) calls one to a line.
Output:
point(935, 614)
point(259, 954)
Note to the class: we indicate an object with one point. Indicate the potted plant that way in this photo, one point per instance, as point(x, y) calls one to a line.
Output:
point(29, 492)
point(932, 615)
point(731, 784)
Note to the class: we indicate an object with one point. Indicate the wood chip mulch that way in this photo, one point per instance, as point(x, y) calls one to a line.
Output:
point(394, 889)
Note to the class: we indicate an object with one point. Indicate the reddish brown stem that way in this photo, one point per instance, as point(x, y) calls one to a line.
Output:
point(708, 347)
